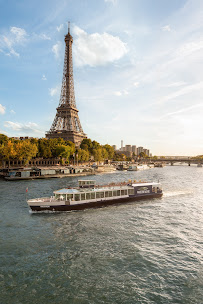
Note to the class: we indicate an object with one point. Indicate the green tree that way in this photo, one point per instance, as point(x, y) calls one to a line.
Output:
point(110, 151)
point(142, 154)
point(117, 157)
point(83, 155)
point(44, 148)
point(63, 151)
point(86, 144)
point(105, 154)
point(123, 157)
point(71, 145)
point(3, 139)
point(25, 150)
point(8, 150)
point(34, 141)
point(1, 151)
point(95, 145)
point(97, 153)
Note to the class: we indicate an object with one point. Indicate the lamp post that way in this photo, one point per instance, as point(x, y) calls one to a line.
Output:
point(77, 159)
point(74, 159)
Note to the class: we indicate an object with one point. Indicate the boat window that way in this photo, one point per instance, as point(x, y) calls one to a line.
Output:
point(154, 189)
point(106, 193)
point(57, 196)
point(126, 192)
point(102, 194)
point(82, 196)
point(69, 196)
point(77, 197)
point(130, 191)
point(98, 194)
point(122, 192)
point(114, 193)
point(92, 195)
point(110, 193)
point(118, 192)
point(87, 195)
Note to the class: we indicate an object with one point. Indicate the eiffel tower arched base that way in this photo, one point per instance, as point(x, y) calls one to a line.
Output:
point(75, 137)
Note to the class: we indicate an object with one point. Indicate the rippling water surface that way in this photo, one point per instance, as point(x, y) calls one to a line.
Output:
point(142, 252)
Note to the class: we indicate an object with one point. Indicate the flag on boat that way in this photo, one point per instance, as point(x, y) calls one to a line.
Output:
point(27, 189)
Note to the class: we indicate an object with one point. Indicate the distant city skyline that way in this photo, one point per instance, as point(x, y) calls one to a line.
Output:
point(131, 149)
point(137, 70)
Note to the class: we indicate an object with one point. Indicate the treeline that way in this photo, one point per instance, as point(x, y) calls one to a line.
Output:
point(199, 157)
point(24, 150)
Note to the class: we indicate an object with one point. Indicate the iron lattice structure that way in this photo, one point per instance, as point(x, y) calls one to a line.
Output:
point(67, 124)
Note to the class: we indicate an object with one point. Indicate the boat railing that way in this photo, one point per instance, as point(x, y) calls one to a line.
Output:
point(41, 199)
point(129, 183)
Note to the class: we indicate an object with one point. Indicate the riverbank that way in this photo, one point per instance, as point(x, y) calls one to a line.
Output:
point(15, 174)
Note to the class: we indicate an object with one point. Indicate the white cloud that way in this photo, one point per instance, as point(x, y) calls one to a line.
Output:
point(3, 132)
point(12, 112)
point(117, 93)
point(125, 92)
point(20, 33)
point(185, 90)
point(97, 49)
point(8, 42)
point(13, 52)
point(44, 77)
point(44, 37)
point(189, 47)
point(27, 127)
point(166, 28)
point(136, 84)
point(16, 36)
point(171, 63)
point(57, 48)
point(2, 109)
point(54, 91)
point(111, 1)
point(200, 105)
point(60, 27)
point(175, 84)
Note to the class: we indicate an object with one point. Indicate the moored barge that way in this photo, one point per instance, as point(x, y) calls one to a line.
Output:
point(88, 195)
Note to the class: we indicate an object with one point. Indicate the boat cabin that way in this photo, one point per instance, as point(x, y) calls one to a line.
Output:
point(86, 183)
point(92, 193)
point(87, 191)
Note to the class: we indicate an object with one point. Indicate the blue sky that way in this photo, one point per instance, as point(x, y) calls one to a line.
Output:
point(138, 70)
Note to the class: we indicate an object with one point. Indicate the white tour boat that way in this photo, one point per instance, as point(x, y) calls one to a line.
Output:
point(88, 195)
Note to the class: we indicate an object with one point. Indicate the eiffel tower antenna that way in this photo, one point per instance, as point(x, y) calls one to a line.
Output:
point(67, 124)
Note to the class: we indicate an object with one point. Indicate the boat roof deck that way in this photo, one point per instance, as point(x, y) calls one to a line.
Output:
point(82, 190)
point(102, 188)
point(145, 184)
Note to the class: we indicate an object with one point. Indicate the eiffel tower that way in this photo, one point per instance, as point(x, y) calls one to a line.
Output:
point(67, 124)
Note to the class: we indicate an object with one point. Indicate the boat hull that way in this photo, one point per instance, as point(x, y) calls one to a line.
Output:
point(97, 204)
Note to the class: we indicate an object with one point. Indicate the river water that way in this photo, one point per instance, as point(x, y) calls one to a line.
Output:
point(142, 252)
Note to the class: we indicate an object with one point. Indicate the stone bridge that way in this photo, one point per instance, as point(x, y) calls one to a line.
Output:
point(172, 161)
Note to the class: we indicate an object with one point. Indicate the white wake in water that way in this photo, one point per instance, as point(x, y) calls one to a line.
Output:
point(176, 193)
